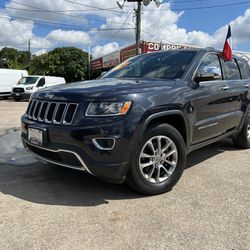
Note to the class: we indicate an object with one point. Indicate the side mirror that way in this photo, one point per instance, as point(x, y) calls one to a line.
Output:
point(207, 77)
point(207, 73)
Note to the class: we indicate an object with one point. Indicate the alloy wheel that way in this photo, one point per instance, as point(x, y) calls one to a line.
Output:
point(158, 159)
point(248, 130)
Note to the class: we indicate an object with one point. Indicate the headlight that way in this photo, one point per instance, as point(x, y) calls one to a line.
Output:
point(108, 108)
point(29, 88)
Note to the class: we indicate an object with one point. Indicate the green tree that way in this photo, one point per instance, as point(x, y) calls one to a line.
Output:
point(13, 59)
point(68, 62)
point(39, 65)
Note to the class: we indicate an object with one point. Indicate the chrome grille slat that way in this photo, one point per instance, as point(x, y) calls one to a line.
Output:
point(33, 113)
point(54, 113)
point(67, 112)
point(39, 112)
point(31, 108)
point(63, 105)
point(51, 111)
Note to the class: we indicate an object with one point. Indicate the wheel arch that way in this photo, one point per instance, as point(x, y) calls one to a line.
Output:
point(175, 118)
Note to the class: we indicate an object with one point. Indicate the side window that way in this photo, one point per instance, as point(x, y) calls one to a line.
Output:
point(209, 69)
point(41, 82)
point(231, 70)
point(244, 69)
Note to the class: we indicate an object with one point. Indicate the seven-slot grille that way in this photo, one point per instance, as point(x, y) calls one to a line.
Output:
point(51, 112)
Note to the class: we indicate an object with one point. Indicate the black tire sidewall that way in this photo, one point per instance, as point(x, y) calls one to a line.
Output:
point(145, 186)
point(247, 142)
point(241, 140)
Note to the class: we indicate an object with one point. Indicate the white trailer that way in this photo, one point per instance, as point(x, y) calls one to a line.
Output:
point(8, 78)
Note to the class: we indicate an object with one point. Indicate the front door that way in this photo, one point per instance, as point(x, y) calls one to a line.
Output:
point(216, 104)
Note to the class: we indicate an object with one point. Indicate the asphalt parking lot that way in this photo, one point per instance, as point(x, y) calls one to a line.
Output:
point(48, 207)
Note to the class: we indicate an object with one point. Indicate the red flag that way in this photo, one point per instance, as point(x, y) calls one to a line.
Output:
point(227, 50)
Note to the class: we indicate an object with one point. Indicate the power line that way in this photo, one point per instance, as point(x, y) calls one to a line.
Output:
point(161, 38)
point(116, 33)
point(95, 19)
point(203, 7)
point(62, 14)
point(60, 25)
point(94, 7)
point(37, 9)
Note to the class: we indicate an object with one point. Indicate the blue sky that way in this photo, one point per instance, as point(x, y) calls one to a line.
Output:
point(73, 22)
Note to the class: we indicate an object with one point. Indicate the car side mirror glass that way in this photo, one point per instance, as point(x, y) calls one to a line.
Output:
point(208, 77)
point(207, 73)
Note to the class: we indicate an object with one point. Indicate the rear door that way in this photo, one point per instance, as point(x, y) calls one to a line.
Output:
point(233, 78)
point(245, 75)
point(217, 104)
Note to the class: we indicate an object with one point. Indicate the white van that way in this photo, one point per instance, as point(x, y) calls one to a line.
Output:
point(9, 77)
point(29, 84)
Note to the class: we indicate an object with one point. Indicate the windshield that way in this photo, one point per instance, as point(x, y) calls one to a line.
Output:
point(28, 80)
point(163, 65)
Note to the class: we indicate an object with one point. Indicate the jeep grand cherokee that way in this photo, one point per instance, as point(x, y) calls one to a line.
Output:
point(141, 119)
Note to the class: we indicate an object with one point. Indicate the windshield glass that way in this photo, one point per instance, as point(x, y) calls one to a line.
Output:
point(163, 65)
point(28, 80)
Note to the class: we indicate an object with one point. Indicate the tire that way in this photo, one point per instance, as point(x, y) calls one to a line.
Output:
point(242, 140)
point(157, 174)
point(17, 99)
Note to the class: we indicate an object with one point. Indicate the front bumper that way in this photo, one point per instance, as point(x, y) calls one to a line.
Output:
point(73, 147)
point(24, 95)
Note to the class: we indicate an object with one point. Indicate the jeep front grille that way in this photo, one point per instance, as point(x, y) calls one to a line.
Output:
point(51, 112)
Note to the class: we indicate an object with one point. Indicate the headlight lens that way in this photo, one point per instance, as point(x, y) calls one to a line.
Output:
point(29, 88)
point(108, 108)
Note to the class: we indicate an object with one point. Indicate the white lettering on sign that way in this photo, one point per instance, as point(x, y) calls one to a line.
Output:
point(158, 46)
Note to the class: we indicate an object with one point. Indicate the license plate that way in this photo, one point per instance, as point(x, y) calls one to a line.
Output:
point(35, 136)
point(17, 94)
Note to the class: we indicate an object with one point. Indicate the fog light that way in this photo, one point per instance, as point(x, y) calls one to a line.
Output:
point(104, 143)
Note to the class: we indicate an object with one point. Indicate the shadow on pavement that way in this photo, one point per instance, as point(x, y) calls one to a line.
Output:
point(207, 152)
point(46, 184)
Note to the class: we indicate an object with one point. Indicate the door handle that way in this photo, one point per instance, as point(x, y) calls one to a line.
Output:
point(246, 85)
point(225, 88)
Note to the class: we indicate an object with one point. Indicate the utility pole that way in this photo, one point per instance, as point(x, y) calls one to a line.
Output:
point(29, 49)
point(138, 27)
point(121, 3)
point(89, 62)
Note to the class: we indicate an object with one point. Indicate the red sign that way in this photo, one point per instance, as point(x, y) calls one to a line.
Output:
point(152, 46)
point(127, 52)
point(96, 64)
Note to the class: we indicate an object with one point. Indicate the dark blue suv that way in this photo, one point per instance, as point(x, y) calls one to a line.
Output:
point(141, 119)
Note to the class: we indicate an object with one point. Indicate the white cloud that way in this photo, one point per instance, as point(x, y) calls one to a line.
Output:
point(40, 52)
point(69, 37)
point(13, 32)
point(156, 26)
point(105, 49)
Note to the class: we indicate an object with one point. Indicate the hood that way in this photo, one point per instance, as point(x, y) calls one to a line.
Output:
point(23, 85)
point(108, 87)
